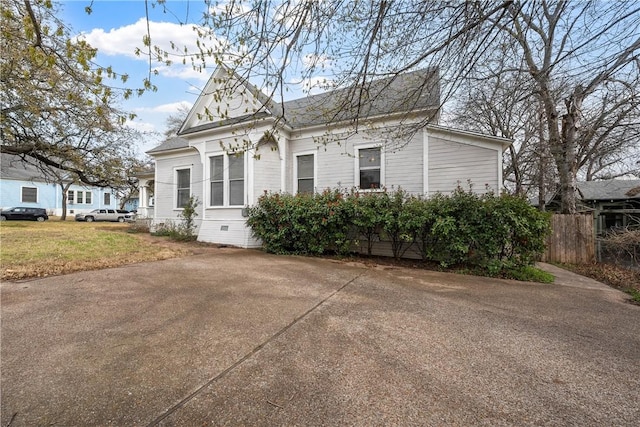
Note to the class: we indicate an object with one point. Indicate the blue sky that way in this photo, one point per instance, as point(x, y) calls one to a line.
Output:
point(116, 28)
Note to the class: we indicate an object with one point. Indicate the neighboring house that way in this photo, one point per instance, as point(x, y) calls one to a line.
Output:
point(22, 184)
point(144, 200)
point(236, 144)
point(614, 203)
point(132, 202)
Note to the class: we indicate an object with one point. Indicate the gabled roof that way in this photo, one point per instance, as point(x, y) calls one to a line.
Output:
point(227, 98)
point(611, 189)
point(413, 91)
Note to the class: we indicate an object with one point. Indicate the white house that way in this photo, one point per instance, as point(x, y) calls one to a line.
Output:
point(236, 144)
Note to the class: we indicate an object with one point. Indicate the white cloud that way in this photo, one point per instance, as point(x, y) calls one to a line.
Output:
point(141, 126)
point(169, 37)
point(170, 108)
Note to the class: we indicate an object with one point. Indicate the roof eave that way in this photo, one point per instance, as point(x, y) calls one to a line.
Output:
point(154, 152)
point(504, 142)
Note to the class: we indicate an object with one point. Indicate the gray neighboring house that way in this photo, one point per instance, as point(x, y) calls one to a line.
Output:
point(615, 202)
point(237, 144)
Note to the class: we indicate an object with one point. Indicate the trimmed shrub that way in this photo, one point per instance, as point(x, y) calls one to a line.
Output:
point(493, 233)
point(302, 224)
point(367, 216)
point(393, 226)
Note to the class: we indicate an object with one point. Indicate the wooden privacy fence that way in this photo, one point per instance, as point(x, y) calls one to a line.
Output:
point(572, 239)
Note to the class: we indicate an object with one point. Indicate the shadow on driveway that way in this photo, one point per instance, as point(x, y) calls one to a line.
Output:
point(238, 337)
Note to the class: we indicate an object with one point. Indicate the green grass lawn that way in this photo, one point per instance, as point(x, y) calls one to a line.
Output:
point(37, 249)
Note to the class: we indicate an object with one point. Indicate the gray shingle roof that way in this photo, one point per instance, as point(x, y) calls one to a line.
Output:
point(413, 91)
point(172, 143)
point(611, 189)
point(14, 167)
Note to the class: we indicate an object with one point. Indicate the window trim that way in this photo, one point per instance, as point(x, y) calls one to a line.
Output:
point(106, 195)
point(244, 180)
point(22, 187)
point(295, 169)
point(226, 181)
point(74, 199)
point(356, 169)
point(211, 181)
point(176, 169)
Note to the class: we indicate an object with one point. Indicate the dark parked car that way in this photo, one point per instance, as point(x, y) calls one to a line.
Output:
point(33, 214)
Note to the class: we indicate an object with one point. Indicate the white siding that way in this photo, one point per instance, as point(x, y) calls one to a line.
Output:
point(223, 97)
point(228, 227)
point(452, 163)
point(165, 191)
point(404, 166)
point(266, 172)
point(336, 163)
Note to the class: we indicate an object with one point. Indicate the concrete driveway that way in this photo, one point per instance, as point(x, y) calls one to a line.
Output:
point(238, 337)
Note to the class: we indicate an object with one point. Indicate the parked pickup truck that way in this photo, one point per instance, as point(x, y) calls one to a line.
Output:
point(105, 215)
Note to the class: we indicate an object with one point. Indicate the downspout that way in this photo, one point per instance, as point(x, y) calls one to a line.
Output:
point(425, 162)
point(282, 149)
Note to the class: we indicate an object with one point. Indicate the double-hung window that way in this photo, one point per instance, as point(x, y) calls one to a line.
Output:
point(369, 161)
point(236, 180)
point(29, 195)
point(183, 191)
point(305, 173)
point(217, 181)
point(107, 199)
point(79, 197)
point(227, 180)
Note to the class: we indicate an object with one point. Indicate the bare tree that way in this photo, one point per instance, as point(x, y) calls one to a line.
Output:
point(127, 182)
point(501, 98)
point(573, 50)
point(608, 144)
point(496, 99)
point(174, 121)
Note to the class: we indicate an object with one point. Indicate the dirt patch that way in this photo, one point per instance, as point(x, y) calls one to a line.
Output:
point(189, 248)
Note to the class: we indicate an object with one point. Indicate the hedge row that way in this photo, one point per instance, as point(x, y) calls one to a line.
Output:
point(487, 231)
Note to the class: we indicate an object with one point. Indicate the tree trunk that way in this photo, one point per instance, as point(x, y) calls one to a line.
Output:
point(542, 191)
point(516, 170)
point(563, 147)
point(570, 125)
point(65, 189)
